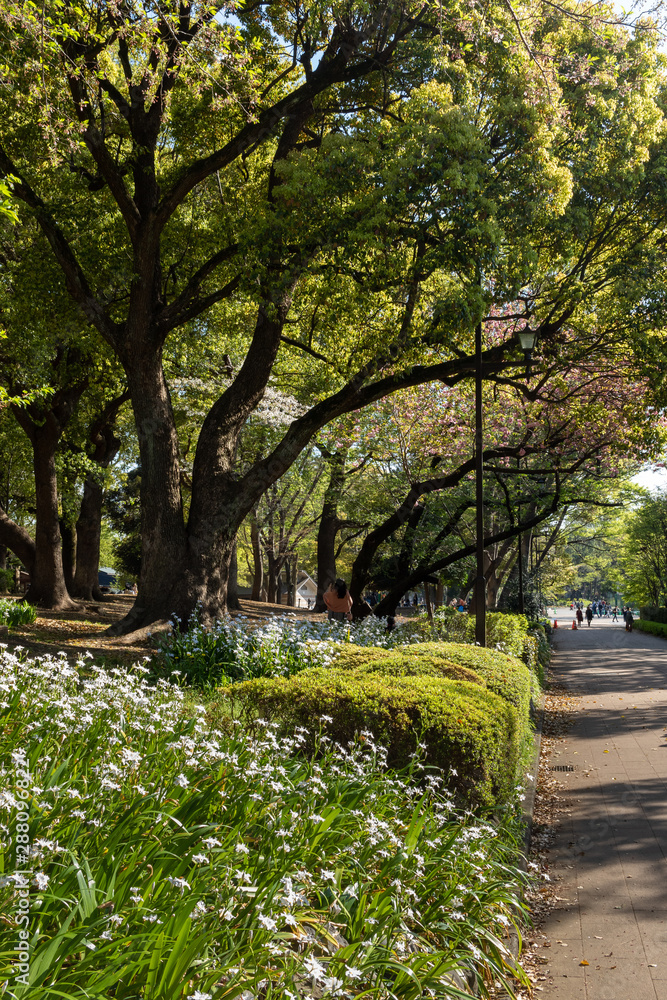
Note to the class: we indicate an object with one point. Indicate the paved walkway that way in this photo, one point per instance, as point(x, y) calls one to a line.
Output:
point(611, 849)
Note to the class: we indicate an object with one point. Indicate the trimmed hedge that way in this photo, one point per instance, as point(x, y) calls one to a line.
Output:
point(403, 662)
point(653, 613)
point(652, 628)
point(502, 674)
point(464, 726)
point(512, 634)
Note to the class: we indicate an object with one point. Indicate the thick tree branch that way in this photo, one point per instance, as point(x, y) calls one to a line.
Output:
point(388, 604)
point(334, 68)
point(188, 303)
point(17, 540)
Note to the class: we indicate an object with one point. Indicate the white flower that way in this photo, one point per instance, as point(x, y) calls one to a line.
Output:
point(182, 781)
point(201, 996)
point(41, 881)
point(328, 876)
point(313, 968)
point(353, 973)
point(200, 859)
point(180, 883)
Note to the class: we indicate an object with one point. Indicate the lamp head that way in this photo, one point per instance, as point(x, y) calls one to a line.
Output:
point(527, 338)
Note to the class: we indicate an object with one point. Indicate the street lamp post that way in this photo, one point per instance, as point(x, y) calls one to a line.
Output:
point(480, 579)
point(527, 339)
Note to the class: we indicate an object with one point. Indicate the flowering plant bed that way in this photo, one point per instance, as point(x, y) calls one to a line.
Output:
point(166, 859)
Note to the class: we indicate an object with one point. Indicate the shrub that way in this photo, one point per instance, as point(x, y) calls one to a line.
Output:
point(503, 631)
point(13, 613)
point(652, 628)
point(509, 633)
point(504, 675)
point(653, 613)
point(465, 728)
point(398, 665)
point(402, 662)
point(6, 581)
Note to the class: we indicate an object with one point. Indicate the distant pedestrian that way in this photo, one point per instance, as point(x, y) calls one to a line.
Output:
point(580, 616)
point(629, 620)
point(589, 615)
point(614, 614)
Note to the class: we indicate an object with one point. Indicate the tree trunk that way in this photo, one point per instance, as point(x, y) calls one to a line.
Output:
point(68, 535)
point(258, 560)
point(439, 594)
point(427, 600)
point(170, 567)
point(3, 556)
point(17, 540)
point(233, 587)
point(47, 580)
point(89, 523)
point(328, 527)
point(88, 532)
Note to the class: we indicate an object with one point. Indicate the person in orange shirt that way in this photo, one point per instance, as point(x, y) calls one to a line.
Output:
point(339, 602)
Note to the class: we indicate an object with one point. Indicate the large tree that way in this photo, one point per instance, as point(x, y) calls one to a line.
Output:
point(336, 205)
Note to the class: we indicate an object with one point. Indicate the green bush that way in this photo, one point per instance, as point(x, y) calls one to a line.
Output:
point(508, 633)
point(466, 730)
point(653, 613)
point(504, 675)
point(6, 581)
point(13, 613)
point(652, 628)
point(403, 662)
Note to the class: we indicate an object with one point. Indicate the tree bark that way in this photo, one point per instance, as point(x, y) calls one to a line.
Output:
point(167, 560)
point(17, 540)
point(44, 425)
point(88, 533)
point(258, 561)
point(233, 602)
point(329, 525)
point(47, 579)
point(105, 447)
point(68, 536)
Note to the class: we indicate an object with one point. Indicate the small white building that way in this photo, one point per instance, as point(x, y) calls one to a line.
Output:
point(306, 590)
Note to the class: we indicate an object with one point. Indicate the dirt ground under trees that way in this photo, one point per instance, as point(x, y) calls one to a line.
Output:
point(78, 631)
